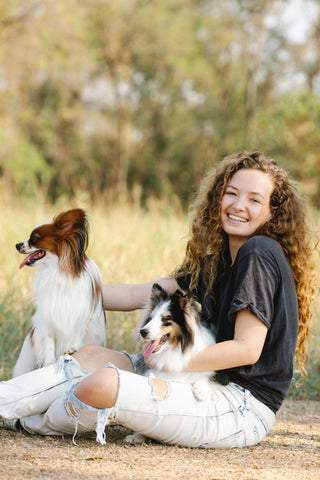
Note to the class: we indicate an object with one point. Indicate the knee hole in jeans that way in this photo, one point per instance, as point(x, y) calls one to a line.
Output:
point(159, 388)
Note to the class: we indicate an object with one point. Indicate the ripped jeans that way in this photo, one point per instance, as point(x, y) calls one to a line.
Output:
point(230, 417)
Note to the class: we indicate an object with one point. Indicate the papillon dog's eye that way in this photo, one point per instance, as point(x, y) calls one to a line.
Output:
point(34, 239)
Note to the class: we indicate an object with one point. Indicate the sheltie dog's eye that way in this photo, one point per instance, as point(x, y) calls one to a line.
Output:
point(167, 320)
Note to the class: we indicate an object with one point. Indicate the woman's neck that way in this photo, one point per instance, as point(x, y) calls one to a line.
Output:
point(234, 244)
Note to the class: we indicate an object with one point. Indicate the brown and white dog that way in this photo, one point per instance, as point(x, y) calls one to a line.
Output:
point(67, 292)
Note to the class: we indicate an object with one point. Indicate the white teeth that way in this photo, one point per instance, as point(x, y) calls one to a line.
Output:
point(238, 219)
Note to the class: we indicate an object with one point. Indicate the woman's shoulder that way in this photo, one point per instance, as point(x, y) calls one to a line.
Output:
point(263, 245)
point(266, 253)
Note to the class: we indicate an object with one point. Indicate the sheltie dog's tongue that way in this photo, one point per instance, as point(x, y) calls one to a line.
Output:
point(151, 347)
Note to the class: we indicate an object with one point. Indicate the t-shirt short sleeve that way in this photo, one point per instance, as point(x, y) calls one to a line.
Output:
point(256, 279)
point(260, 281)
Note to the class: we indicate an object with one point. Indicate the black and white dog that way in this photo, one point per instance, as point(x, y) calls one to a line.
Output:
point(172, 333)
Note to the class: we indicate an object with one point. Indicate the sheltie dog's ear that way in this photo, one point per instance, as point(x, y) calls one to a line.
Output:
point(158, 294)
point(156, 288)
point(181, 298)
point(187, 303)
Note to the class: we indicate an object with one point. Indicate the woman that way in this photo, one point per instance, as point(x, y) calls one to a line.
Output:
point(249, 263)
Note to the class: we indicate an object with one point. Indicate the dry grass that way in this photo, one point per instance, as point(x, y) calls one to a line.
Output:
point(289, 452)
point(132, 245)
point(128, 243)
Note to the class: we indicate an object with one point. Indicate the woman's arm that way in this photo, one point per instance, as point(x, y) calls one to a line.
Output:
point(245, 348)
point(123, 297)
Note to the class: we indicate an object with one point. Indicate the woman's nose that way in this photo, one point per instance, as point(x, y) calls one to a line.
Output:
point(239, 203)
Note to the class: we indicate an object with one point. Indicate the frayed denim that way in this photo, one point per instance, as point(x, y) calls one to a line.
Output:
point(230, 417)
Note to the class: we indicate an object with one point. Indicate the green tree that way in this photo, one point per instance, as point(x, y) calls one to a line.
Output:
point(105, 96)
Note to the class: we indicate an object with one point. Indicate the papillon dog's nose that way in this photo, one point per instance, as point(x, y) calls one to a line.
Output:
point(144, 332)
point(18, 246)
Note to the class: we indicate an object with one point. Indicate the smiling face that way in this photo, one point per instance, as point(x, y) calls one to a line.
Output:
point(245, 206)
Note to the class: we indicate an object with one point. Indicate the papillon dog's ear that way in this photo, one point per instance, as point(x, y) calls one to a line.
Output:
point(71, 221)
point(73, 237)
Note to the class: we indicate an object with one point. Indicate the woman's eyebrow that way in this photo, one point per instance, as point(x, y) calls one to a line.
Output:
point(250, 193)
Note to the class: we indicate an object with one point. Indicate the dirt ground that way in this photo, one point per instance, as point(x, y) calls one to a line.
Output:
point(291, 451)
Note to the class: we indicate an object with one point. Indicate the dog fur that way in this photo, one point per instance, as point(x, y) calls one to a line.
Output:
point(67, 292)
point(172, 333)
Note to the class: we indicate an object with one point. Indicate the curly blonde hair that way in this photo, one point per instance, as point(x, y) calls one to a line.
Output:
point(207, 250)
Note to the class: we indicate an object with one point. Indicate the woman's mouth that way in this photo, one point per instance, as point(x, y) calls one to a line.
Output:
point(235, 218)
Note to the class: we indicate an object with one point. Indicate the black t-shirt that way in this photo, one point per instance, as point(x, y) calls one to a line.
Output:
point(260, 281)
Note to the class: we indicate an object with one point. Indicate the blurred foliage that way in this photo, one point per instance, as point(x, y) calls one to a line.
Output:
point(15, 323)
point(142, 96)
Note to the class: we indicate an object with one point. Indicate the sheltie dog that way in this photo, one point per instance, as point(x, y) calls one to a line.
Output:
point(67, 291)
point(172, 333)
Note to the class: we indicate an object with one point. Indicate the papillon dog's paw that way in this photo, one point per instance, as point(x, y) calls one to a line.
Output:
point(135, 439)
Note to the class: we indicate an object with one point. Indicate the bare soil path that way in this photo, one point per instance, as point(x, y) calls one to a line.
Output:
point(291, 451)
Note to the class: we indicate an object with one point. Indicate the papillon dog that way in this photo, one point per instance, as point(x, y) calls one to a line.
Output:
point(67, 292)
point(172, 333)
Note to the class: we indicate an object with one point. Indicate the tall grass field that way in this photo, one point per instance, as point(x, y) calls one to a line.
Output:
point(129, 244)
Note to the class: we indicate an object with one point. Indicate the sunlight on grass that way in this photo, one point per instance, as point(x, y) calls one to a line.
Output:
point(129, 244)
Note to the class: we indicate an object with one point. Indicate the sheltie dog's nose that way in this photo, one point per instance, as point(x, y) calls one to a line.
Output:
point(144, 332)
